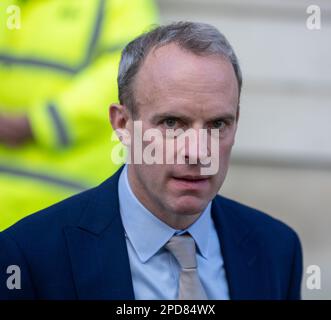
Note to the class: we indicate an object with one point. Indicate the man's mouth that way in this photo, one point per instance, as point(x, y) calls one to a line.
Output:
point(191, 178)
point(190, 182)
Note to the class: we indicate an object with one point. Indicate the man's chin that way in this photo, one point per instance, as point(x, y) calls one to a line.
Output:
point(189, 205)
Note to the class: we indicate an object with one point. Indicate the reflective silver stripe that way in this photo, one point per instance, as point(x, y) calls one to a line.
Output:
point(37, 63)
point(62, 134)
point(43, 177)
point(30, 61)
point(95, 33)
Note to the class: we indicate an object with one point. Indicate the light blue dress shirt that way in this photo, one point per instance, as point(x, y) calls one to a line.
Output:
point(155, 272)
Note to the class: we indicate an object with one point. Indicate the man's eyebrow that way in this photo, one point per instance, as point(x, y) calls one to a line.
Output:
point(165, 115)
point(157, 117)
point(224, 116)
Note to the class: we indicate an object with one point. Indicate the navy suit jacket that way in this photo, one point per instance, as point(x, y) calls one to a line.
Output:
point(76, 249)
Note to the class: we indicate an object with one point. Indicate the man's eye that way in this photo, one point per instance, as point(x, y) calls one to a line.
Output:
point(218, 124)
point(170, 123)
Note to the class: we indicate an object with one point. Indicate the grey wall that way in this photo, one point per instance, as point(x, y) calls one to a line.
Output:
point(282, 159)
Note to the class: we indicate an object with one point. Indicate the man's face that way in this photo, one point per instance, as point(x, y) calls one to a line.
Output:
point(175, 89)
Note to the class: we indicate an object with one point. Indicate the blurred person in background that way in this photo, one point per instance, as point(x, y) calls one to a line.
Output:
point(58, 73)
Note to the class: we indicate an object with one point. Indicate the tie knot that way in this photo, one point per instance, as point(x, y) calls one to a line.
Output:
point(183, 249)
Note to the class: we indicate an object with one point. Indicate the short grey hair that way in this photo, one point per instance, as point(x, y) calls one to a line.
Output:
point(199, 38)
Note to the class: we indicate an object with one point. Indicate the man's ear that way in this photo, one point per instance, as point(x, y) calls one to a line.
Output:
point(236, 124)
point(238, 113)
point(119, 118)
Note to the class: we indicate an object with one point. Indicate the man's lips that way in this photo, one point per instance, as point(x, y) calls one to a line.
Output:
point(189, 182)
point(191, 178)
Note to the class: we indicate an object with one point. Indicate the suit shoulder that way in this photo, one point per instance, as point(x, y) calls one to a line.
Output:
point(257, 220)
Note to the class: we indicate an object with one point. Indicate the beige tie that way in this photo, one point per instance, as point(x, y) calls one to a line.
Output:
point(183, 249)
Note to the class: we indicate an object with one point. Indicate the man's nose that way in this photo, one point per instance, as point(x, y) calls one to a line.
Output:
point(193, 148)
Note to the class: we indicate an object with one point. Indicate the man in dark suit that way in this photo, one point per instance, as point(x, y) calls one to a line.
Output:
point(157, 229)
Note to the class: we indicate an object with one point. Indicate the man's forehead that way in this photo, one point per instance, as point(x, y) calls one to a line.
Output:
point(171, 76)
point(172, 57)
point(171, 66)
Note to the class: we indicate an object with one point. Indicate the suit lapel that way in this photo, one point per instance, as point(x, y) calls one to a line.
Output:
point(97, 247)
point(245, 266)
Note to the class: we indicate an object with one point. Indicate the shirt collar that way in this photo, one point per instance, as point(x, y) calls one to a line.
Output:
point(147, 233)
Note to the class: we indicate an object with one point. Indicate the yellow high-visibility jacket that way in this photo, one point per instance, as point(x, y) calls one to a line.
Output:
point(60, 67)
